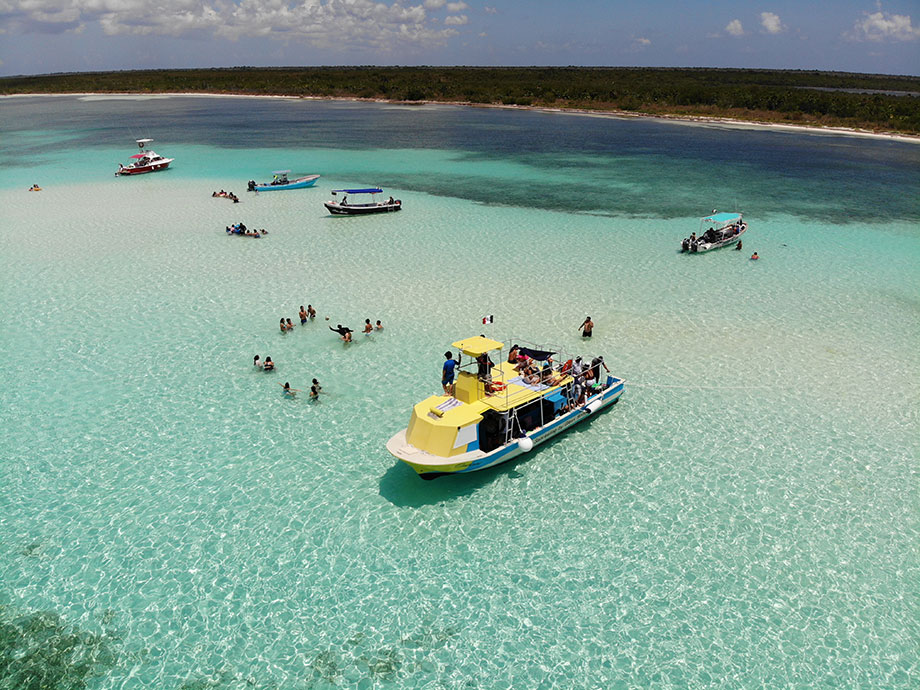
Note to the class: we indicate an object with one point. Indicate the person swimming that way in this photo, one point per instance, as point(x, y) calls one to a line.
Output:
point(288, 391)
point(343, 331)
point(754, 256)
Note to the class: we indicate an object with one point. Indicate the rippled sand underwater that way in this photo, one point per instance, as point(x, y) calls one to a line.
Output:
point(745, 516)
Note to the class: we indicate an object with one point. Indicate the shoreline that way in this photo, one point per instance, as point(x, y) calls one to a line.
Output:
point(616, 114)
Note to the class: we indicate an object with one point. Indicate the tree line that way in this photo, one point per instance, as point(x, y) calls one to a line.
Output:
point(794, 96)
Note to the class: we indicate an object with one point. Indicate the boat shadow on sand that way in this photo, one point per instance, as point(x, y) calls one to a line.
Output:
point(402, 487)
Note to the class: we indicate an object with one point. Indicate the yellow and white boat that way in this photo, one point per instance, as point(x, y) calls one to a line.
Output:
point(496, 413)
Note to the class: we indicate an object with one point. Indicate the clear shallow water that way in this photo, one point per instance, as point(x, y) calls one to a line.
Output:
point(746, 516)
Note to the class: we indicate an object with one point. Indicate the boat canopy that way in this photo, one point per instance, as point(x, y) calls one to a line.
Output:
point(280, 172)
point(143, 141)
point(477, 345)
point(371, 190)
point(139, 155)
point(721, 218)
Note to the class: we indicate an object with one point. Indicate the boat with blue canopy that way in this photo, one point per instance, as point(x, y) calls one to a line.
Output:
point(280, 181)
point(344, 207)
point(720, 229)
point(493, 412)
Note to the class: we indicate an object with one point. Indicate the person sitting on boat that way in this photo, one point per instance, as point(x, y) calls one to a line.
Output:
point(390, 201)
point(513, 354)
point(344, 200)
point(484, 368)
point(251, 185)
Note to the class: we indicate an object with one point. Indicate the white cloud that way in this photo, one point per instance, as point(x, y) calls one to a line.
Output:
point(771, 23)
point(882, 26)
point(332, 23)
point(734, 28)
point(435, 4)
point(481, 35)
point(490, 10)
point(457, 6)
point(642, 42)
point(456, 20)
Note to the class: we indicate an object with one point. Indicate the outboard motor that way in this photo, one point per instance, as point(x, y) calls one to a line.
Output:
point(252, 186)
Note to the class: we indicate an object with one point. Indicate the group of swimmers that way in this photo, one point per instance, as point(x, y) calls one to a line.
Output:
point(35, 188)
point(306, 314)
point(345, 332)
point(241, 229)
point(226, 195)
point(269, 365)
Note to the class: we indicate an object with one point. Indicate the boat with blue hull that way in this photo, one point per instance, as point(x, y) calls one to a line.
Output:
point(497, 412)
point(281, 182)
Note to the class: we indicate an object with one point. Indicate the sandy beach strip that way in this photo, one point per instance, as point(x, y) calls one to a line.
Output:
point(616, 114)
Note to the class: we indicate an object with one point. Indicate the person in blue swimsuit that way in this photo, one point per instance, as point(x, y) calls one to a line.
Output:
point(447, 375)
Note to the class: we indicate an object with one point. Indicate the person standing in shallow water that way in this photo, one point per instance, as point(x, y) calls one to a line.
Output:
point(303, 315)
point(587, 327)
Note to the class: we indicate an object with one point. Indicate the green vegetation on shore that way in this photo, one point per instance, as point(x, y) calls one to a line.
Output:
point(816, 98)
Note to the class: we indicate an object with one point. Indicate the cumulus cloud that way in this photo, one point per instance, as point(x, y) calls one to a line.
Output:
point(319, 22)
point(457, 6)
point(771, 23)
point(456, 20)
point(882, 26)
point(435, 4)
point(734, 28)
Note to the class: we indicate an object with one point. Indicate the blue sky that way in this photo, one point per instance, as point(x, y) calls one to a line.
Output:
point(40, 36)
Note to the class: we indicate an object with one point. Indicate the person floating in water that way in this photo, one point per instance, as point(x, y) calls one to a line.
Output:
point(342, 331)
point(754, 256)
point(288, 391)
point(35, 188)
point(587, 326)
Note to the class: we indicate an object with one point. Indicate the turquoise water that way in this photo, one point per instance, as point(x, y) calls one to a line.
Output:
point(746, 516)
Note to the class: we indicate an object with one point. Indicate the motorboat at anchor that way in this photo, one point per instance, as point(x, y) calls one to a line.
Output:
point(344, 207)
point(721, 229)
point(144, 162)
point(499, 411)
point(280, 182)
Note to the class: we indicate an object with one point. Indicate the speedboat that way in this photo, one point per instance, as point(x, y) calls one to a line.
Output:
point(498, 411)
point(344, 207)
point(721, 229)
point(280, 181)
point(144, 162)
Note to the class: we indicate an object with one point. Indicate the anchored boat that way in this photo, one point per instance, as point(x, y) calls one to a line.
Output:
point(721, 229)
point(280, 181)
point(144, 162)
point(344, 207)
point(499, 411)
